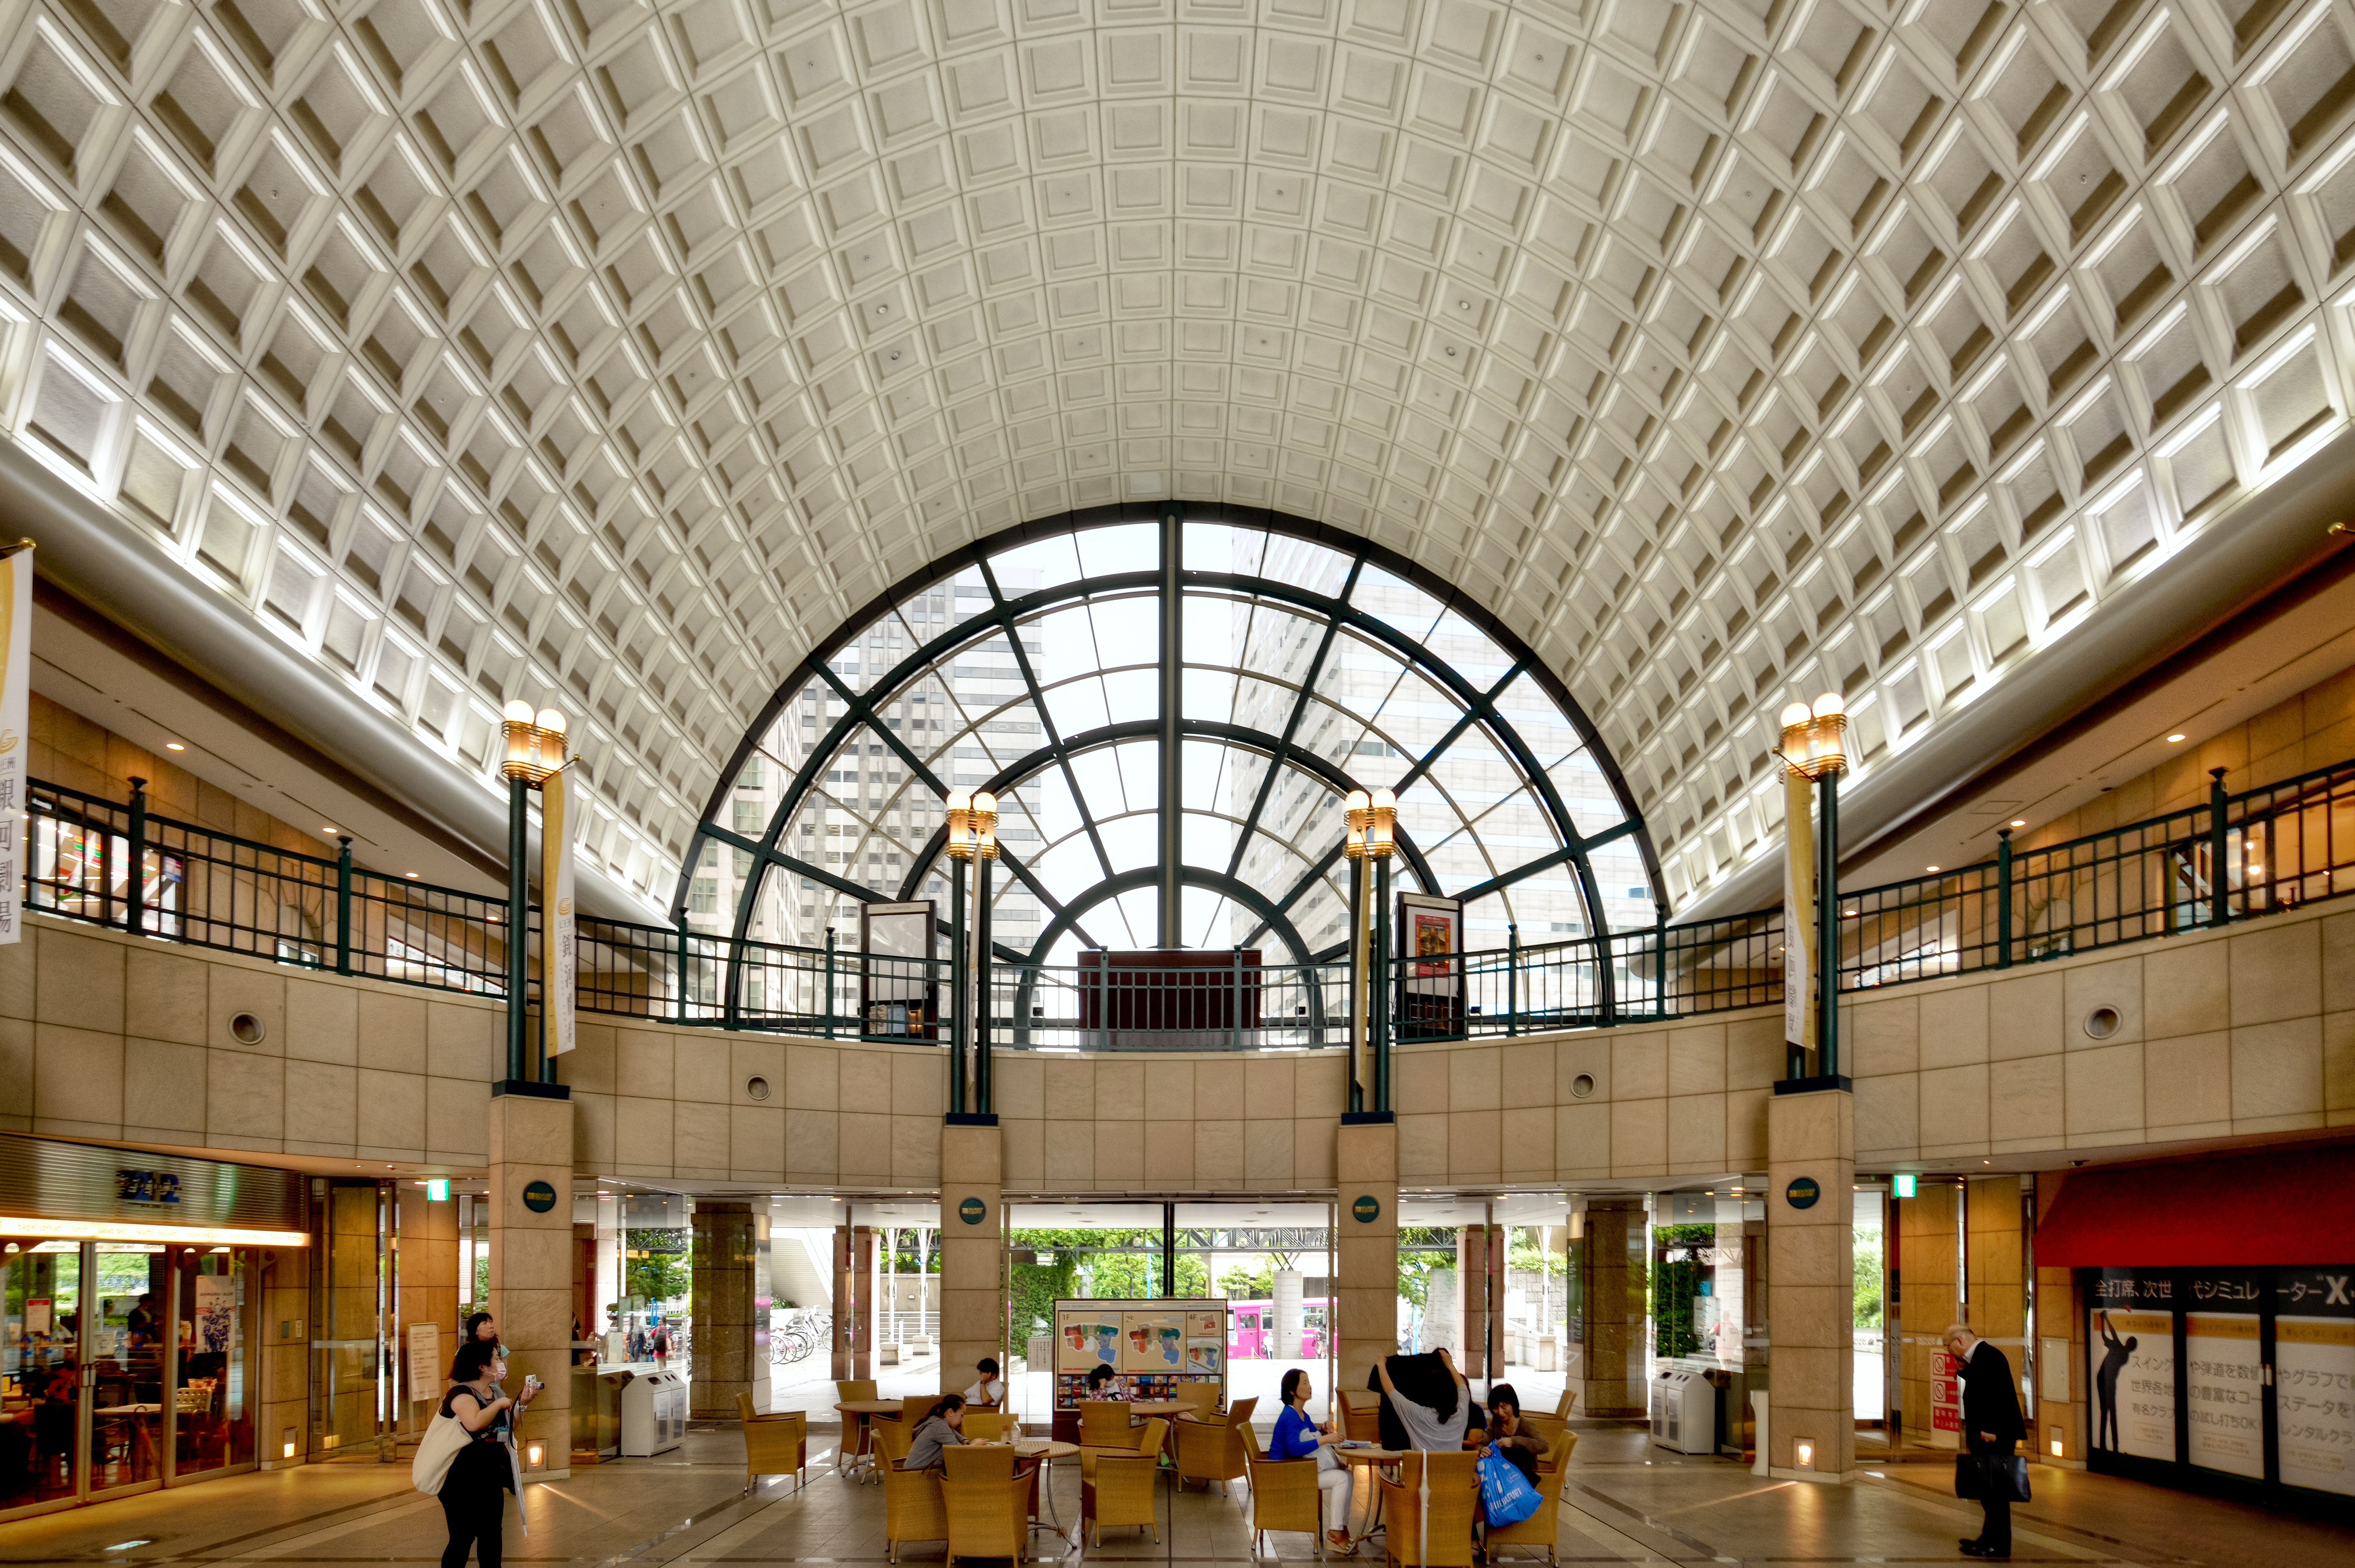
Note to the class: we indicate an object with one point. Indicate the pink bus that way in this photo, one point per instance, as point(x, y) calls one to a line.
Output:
point(1251, 1329)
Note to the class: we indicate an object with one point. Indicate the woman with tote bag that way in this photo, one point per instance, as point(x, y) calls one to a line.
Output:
point(467, 1458)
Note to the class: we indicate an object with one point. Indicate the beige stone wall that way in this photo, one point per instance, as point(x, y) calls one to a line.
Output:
point(2243, 1033)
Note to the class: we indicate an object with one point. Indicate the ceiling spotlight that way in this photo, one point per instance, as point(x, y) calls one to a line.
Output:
point(175, 746)
point(1929, 868)
point(2020, 821)
point(2174, 740)
point(331, 829)
point(411, 875)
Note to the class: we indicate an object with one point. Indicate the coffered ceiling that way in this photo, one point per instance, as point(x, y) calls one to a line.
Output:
point(612, 355)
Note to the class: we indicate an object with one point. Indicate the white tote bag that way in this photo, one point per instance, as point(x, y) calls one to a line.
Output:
point(444, 1435)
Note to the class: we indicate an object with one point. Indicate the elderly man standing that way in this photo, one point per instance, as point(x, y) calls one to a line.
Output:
point(1992, 1426)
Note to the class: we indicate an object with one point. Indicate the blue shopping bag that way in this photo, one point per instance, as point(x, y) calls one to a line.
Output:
point(1504, 1492)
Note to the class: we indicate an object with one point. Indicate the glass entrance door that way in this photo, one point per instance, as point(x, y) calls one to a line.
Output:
point(40, 1373)
point(129, 1302)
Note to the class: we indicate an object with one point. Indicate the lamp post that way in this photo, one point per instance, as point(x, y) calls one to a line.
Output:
point(1373, 817)
point(972, 837)
point(535, 753)
point(1814, 752)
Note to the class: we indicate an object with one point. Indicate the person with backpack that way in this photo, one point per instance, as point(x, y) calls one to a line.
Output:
point(469, 1463)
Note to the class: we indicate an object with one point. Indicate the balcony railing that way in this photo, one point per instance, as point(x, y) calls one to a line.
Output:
point(2236, 857)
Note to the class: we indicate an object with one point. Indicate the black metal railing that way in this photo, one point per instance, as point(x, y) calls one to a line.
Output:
point(2235, 857)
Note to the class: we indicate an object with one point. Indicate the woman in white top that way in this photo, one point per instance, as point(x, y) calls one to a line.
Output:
point(1433, 1428)
point(989, 1388)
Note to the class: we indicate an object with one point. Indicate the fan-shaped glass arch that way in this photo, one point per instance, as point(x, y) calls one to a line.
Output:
point(1143, 807)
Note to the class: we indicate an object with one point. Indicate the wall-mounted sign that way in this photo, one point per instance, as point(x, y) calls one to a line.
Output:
point(1367, 1209)
point(151, 1187)
point(539, 1197)
point(83, 1183)
point(1803, 1193)
point(972, 1210)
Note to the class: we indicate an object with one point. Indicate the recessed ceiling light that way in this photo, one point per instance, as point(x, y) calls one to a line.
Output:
point(412, 877)
point(173, 746)
point(1929, 868)
point(2174, 739)
point(2020, 821)
point(331, 829)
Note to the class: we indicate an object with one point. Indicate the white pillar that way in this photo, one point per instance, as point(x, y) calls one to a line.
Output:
point(1289, 1290)
point(608, 1290)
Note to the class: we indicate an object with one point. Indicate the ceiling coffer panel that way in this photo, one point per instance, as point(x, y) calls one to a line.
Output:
point(612, 355)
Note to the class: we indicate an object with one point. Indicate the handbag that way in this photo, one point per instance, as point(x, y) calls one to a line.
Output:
point(444, 1437)
point(1505, 1493)
point(1974, 1474)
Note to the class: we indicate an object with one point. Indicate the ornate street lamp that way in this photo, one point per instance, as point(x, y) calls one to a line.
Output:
point(534, 755)
point(972, 837)
point(1815, 753)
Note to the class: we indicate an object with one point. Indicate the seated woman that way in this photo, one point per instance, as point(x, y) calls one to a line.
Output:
point(1522, 1450)
point(1436, 1416)
point(1297, 1437)
point(943, 1427)
point(1100, 1377)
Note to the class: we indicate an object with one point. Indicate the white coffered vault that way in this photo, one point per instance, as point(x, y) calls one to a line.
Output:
point(614, 354)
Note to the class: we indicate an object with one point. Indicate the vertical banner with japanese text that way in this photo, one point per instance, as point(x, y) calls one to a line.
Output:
point(2224, 1373)
point(2130, 1347)
point(16, 720)
point(559, 952)
point(2314, 1377)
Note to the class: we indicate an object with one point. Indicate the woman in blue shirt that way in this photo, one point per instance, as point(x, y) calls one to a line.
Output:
point(1298, 1437)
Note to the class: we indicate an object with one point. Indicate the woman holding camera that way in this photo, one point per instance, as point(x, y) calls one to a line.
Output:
point(473, 1494)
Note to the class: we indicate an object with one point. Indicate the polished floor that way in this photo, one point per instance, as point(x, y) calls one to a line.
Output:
point(1629, 1502)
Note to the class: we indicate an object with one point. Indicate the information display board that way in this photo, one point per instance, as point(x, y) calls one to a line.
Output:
point(2314, 1378)
point(2130, 1349)
point(1152, 1347)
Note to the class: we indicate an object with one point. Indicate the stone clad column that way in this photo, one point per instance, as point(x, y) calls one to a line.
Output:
point(1365, 1314)
point(1608, 1370)
point(853, 1301)
point(973, 1252)
point(1811, 1283)
point(531, 1259)
point(1290, 1293)
point(728, 1299)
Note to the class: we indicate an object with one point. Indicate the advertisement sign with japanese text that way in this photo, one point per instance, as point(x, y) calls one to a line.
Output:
point(2223, 1373)
point(1945, 1401)
point(2314, 1378)
point(2133, 1356)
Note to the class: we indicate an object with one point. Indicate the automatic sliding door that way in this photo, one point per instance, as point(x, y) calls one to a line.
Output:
point(40, 1374)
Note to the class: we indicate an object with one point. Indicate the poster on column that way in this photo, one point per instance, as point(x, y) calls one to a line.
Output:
point(2224, 1373)
point(2314, 1377)
point(2130, 1348)
point(16, 720)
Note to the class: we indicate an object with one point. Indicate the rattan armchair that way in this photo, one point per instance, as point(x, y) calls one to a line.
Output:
point(851, 1389)
point(985, 1425)
point(913, 1508)
point(773, 1445)
point(1444, 1539)
point(1120, 1491)
point(1563, 1406)
point(892, 1440)
point(1207, 1452)
point(1283, 1496)
point(914, 1407)
point(1200, 1400)
point(986, 1511)
point(1147, 1438)
point(1361, 1416)
point(1107, 1424)
point(1541, 1529)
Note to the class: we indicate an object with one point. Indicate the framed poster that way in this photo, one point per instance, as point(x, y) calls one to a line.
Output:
point(2130, 1357)
point(1153, 1342)
point(899, 977)
point(1152, 1346)
point(2224, 1373)
point(1428, 940)
point(2314, 1378)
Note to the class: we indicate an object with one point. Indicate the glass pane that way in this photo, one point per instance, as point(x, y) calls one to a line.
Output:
point(344, 1362)
point(126, 1358)
point(213, 1388)
point(40, 1366)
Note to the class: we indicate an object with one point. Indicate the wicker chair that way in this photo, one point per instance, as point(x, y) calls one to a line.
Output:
point(985, 1425)
point(1107, 1424)
point(913, 1508)
point(1542, 1529)
point(1200, 1400)
point(1208, 1453)
point(986, 1515)
point(1283, 1496)
point(1446, 1536)
point(773, 1445)
point(850, 1390)
point(1361, 1416)
point(892, 1440)
point(1117, 1489)
point(914, 1407)
point(1550, 1427)
point(1569, 1399)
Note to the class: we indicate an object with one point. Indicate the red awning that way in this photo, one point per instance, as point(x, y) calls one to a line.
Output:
point(2287, 1208)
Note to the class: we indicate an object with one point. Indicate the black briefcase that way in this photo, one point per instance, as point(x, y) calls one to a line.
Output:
point(1974, 1473)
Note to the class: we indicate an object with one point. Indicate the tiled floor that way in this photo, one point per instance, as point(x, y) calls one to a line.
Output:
point(1627, 1503)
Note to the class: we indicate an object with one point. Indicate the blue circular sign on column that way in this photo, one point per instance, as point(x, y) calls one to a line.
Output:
point(1803, 1193)
point(1367, 1209)
point(539, 1197)
point(972, 1210)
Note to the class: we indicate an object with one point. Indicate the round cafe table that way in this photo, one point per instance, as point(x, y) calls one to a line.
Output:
point(1047, 1450)
point(858, 1444)
point(1371, 1458)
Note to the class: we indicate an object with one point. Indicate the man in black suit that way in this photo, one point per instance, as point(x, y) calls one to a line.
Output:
point(1992, 1426)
